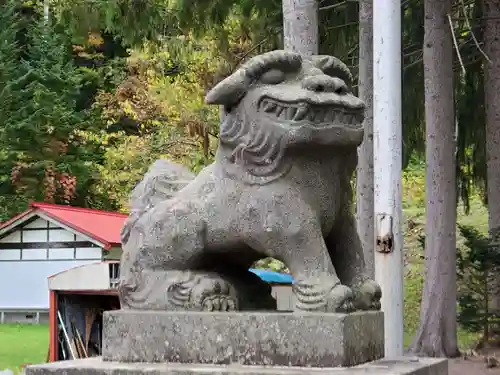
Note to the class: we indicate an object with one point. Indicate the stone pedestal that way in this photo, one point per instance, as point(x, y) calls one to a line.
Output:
point(315, 340)
point(250, 343)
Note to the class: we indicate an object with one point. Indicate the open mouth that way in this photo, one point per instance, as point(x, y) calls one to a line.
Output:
point(314, 114)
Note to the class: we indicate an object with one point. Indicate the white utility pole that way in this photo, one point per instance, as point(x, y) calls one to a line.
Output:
point(387, 155)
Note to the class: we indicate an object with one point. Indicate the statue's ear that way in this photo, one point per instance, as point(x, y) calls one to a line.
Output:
point(333, 66)
point(229, 91)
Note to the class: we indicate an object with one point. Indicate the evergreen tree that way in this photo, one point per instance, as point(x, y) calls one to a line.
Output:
point(477, 271)
point(9, 56)
point(44, 131)
point(10, 77)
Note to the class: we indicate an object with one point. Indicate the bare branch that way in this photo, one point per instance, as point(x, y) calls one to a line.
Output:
point(343, 25)
point(333, 6)
point(257, 46)
point(455, 43)
point(467, 23)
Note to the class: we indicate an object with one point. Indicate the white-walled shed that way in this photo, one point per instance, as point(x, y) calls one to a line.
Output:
point(45, 240)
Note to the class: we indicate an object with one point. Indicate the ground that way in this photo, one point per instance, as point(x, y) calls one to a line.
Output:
point(472, 366)
point(22, 344)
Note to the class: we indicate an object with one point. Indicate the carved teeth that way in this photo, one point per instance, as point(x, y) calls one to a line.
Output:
point(269, 106)
point(301, 113)
point(348, 118)
point(329, 116)
point(290, 113)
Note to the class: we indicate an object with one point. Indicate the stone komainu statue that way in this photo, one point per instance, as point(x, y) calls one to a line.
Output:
point(279, 187)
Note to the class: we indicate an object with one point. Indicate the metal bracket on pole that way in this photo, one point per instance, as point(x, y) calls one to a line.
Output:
point(385, 235)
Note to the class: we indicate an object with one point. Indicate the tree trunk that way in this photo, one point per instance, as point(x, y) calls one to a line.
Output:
point(437, 334)
point(364, 177)
point(300, 26)
point(491, 12)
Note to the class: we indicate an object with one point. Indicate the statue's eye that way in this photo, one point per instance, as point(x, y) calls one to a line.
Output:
point(272, 77)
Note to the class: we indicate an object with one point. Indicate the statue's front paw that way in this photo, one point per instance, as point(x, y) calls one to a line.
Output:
point(213, 293)
point(220, 303)
point(367, 296)
point(323, 295)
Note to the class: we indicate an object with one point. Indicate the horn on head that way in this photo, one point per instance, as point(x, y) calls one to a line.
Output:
point(233, 88)
point(228, 91)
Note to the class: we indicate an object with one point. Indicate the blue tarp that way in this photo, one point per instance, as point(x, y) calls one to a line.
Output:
point(273, 277)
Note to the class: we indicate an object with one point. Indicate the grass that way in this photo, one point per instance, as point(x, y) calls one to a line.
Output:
point(21, 344)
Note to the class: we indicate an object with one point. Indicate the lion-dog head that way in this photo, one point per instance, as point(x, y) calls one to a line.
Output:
point(279, 101)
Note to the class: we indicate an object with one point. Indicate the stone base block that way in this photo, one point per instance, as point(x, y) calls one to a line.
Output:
point(249, 338)
point(95, 366)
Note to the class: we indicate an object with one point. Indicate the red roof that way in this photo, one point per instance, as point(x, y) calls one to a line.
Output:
point(102, 226)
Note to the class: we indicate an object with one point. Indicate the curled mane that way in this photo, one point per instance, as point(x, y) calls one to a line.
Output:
point(162, 181)
point(253, 150)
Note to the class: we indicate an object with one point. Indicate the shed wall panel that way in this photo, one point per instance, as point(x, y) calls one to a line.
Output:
point(10, 254)
point(61, 235)
point(88, 253)
point(34, 254)
point(285, 299)
point(60, 254)
point(12, 237)
point(38, 223)
point(81, 238)
point(24, 285)
point(35, 235)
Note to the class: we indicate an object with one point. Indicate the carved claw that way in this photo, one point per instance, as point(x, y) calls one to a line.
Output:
point(232, 305)
point(219, 302)
point(367, 296)
point(340, 299)
point(346, 307)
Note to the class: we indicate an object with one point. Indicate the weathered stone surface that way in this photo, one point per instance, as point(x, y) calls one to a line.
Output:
point(309, 339)
point(280, 187)
point(95, 366)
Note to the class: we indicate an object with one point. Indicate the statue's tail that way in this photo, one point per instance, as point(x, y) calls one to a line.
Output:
point(162, 181)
